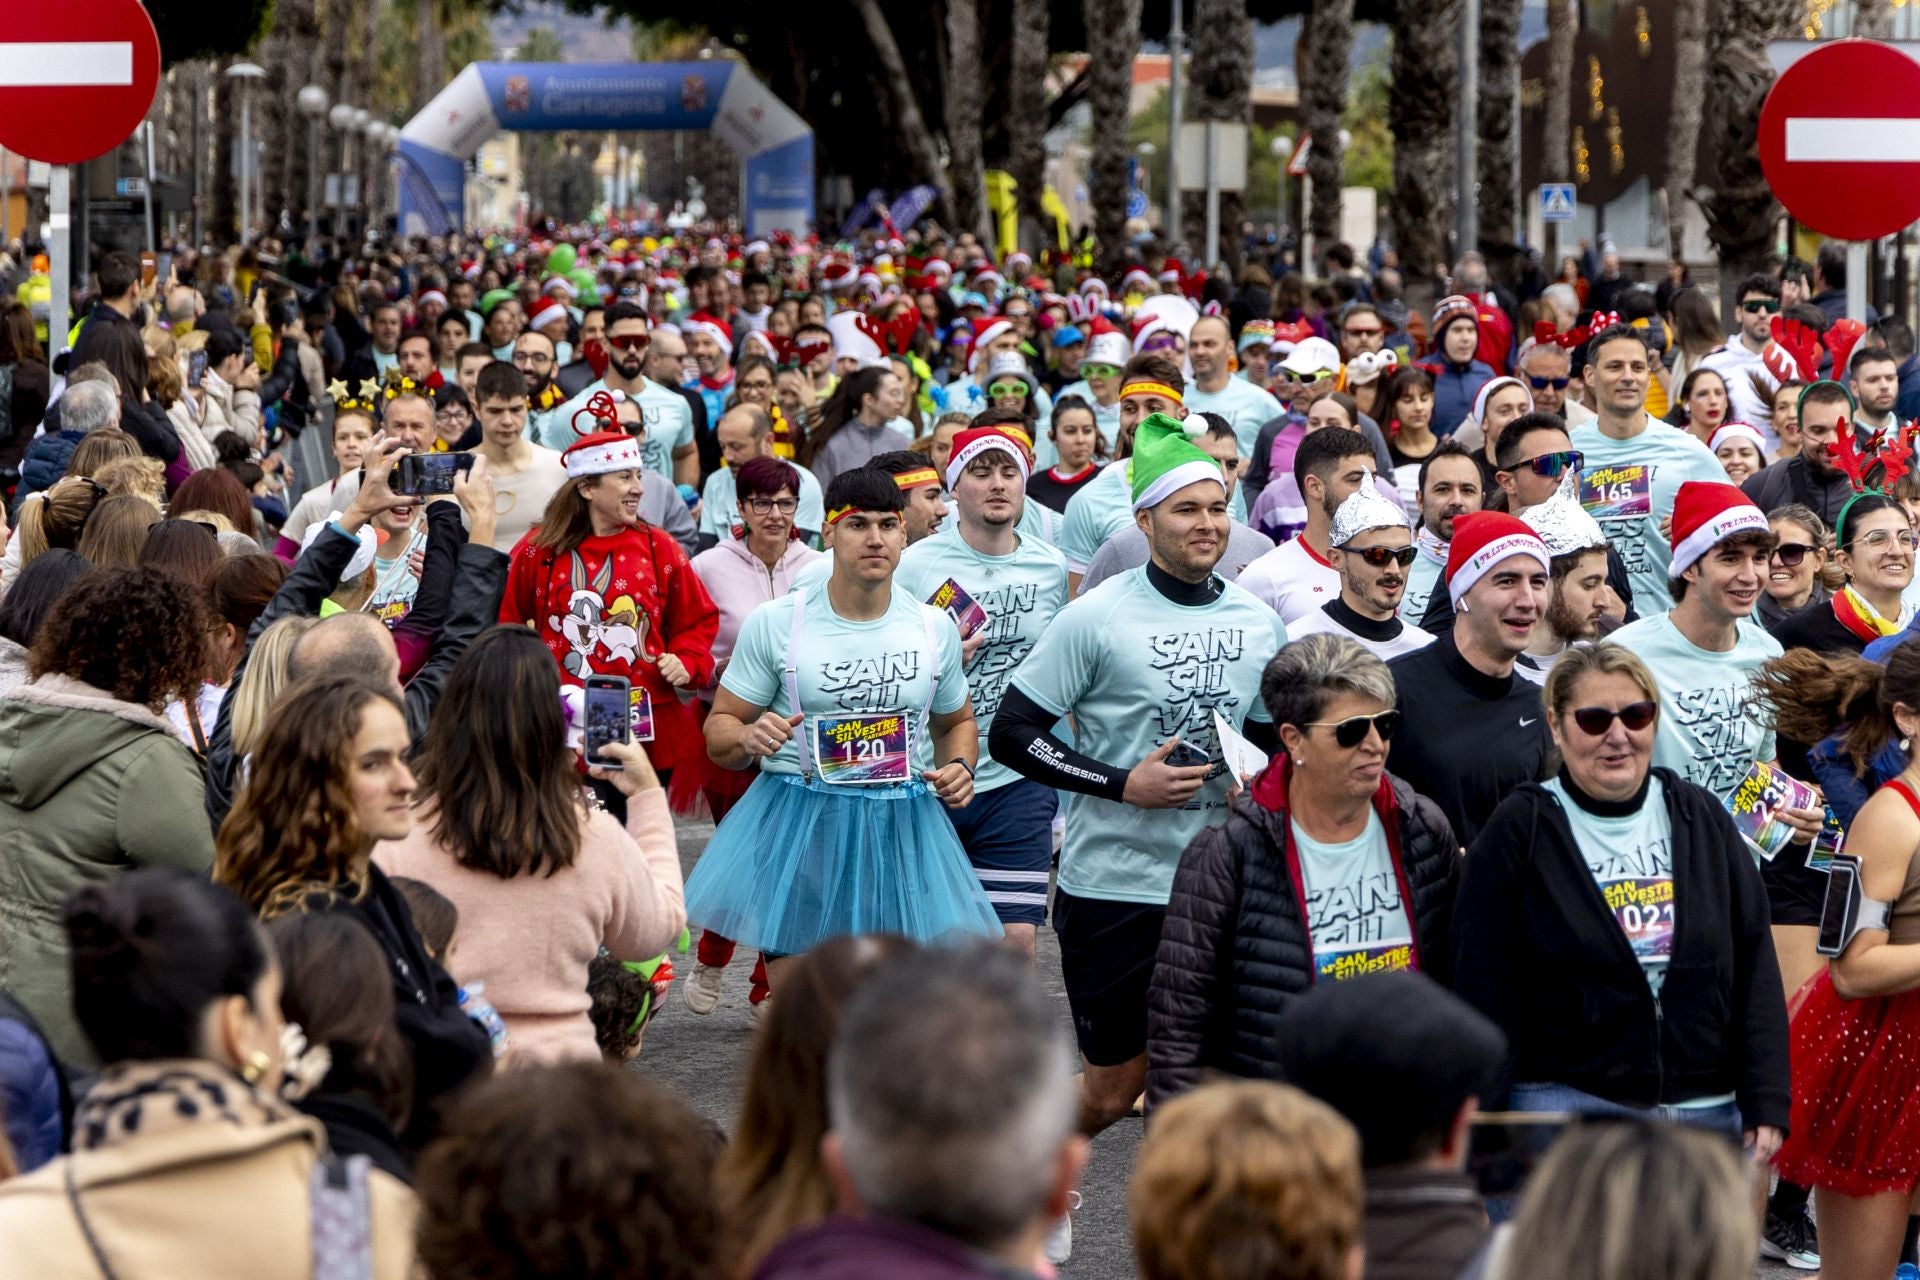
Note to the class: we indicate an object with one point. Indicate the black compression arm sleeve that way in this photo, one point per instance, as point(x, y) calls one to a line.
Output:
point(1022, 739)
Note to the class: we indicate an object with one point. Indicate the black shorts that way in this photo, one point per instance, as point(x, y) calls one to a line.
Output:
point(1794, 894)
point(1107, 951)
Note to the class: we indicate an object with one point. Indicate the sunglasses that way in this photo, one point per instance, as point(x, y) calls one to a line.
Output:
point(1098, 370)
point(629, 342)
point(1362, 333)
point(1754, 306)
point(1552, 466)
point(1304, 378)
point(1791, 554)
point(1541, 384)
point(1352, 731)
point(1595, 721)
point(1008, 389)
point(1381, 557)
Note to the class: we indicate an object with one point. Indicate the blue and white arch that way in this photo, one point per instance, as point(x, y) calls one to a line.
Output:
point(775, 146)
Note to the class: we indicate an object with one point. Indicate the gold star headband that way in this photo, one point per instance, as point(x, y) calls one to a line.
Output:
point(363, 401)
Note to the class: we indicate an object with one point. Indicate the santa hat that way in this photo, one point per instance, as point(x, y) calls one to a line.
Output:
point(757, 246)
point(712, 326)
point(939, 268)
point(1019, 262)
point(1108, 348)
point(560, 285)
point(764, 340)
point(851, 342)
point(1731, 431)
point(1364, 509)
point(1166, 460)
point(983, 275)
point(546, 315)
point(1704, 513)
point(1136, 281)
point(1170, 272)
point(1092, 285)
point(974, 441)
point(1492, 385)
point(837, 276)
point(433, 295)
point(985, 330)
point(1482, 539)
point(600, 453)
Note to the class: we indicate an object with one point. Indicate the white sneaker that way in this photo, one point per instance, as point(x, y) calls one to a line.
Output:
point(755, 1012)
point(1059, 1246)
point(702, 988)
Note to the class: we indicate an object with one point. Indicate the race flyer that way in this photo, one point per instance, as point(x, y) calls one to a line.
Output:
point(1757, 799)
point(1617, 493)
point(963, 608)
point(861, 751)
point(642, 715)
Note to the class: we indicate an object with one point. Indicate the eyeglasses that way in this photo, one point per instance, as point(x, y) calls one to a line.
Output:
point(756, 385)
point(1877, 540)
point(1007, 389)
point(1552, 466)
point(1352, 731)
point(1098, 370)
point(763, 506)
point(1754, 306)
point(450, 416)
point(1541, 384)
point(532, 357)
point(1595, 721)
point(1380, 557)
point(1791, 554)
point(629, 342)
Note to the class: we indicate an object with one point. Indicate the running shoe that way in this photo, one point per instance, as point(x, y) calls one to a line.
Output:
point(1791, 1239)
point(702, 993)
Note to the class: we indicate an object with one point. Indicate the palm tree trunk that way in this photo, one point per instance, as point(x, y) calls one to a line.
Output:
point(1740, 208)
point(1683, 127)
point(1113, 41)
point(908, 125)
point(432, 46)
point(224, 199)
point(963, 110)
point(1027, 121)
point(1873, 19)
point(1499, 142)
point(1556, 125)
point(1321, 65)
point(1426, 83)
point(1222, 66)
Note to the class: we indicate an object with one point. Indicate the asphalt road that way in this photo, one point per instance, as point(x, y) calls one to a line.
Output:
point(705, 1059)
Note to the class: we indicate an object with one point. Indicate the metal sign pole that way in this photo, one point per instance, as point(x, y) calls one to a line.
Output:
point(59, 219)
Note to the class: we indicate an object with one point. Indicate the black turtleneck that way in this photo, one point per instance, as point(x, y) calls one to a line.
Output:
point(1182, 592)
point(1605, 808)
point(1360, 624)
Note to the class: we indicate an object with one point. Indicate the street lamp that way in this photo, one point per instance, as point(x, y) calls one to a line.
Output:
point(312, 101)
point(241, 73)
point(1282, 148)
point(341, 118)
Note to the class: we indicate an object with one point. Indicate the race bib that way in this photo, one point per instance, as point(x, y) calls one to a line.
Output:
point(1644, 908)
point(1617, 493)
point(862, 750)
point(641, 714)
point(1337, 964)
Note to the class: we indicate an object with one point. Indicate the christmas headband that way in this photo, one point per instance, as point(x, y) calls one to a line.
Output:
point(365, 400)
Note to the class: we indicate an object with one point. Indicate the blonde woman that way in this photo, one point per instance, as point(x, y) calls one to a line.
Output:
point(186, 406)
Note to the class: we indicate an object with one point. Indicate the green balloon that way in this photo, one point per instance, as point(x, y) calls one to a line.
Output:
point(584, 281)
point(561, 260)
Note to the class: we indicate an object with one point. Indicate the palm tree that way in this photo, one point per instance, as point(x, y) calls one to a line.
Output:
point(1499, 142)
point(1113, 41)
point(962, 110)
point(1426, 84)
point(909, 127)
point(1740, 208)
point(1683, 127)
point(1320, 63)
point(1027, 121)
point(1556, 126)
point(1222, 89)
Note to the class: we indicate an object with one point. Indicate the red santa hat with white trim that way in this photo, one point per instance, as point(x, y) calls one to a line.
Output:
point(547, 314)
point(1706, 513)
point(712, 326)
point(1481, 540)
point(986, 329)
point(974, 441)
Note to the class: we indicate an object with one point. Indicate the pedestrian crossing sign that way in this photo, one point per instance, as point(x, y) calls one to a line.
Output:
point(1556, 202)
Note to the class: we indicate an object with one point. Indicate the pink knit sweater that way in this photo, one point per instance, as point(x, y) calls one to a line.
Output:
point(531, 938)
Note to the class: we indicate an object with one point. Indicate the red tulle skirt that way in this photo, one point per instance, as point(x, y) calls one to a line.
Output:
point(700, 788)
point(1856, 1092)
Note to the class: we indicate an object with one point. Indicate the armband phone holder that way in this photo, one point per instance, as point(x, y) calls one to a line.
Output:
point(1847, 910)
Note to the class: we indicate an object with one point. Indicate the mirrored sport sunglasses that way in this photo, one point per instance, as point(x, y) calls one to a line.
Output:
point(1552, 466)
point(1595, 721)
point(630, 342)
point(1352, 731)
point(1381, 557)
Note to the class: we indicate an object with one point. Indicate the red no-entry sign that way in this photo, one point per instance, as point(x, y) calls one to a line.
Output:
point(1840, 140)
point(76, 76)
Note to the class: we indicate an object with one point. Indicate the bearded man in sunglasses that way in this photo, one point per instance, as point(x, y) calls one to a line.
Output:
point(1372, 549)
point(1738, 361)
point(670, 449)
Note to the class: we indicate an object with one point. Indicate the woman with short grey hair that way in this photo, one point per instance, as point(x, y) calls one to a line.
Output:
point(1328, 867)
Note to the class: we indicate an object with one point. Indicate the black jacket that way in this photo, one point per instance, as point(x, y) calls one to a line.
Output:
point(1790, 480)
point(1234, 948)
point(1537, 950)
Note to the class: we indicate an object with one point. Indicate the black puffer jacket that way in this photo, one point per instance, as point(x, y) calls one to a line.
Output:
point(1235, 951)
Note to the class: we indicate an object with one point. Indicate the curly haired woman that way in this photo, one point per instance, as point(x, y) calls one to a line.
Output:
point(92, 780)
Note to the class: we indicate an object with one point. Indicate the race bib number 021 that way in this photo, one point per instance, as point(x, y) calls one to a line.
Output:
point(862, 751)
point(1617, 493)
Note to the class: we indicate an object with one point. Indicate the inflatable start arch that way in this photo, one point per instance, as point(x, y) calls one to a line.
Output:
point(775, 146)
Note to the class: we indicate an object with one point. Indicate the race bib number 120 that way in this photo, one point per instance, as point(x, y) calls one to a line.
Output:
point(862, 750)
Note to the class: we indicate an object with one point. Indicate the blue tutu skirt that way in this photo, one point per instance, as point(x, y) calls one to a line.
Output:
point(795, 863)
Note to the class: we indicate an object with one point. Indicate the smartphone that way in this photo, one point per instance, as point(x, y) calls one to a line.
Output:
point(163, 268)
point(196, 367)
point(609, 717)
point(429, 474)
point(149, 267)
point(1185, 755)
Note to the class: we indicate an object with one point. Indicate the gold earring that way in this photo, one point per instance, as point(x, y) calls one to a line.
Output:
point(254, 1070)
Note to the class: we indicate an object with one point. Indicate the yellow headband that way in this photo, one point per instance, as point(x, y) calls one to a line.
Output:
point(914, 479)
point(1150, 389)
point(838, 514)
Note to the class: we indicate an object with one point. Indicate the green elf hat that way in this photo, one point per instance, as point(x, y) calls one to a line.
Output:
point(1166, 460)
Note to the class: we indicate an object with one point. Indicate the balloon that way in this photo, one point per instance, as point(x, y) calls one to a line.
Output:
point(582, 279)
point(561, 260)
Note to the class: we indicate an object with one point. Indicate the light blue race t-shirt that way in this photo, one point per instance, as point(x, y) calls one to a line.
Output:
point(1422, 581)
point(1631, 858)
point(720, 507)
point(846, 667)
point(1355, 915)
point(1245, 407)
point(1710, 730)
point(668, 420)
point(1134, 669)
point(1103, 506)
point(1674, 458)
point(1021, 593)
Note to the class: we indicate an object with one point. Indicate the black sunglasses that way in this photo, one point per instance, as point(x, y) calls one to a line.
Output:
point(1553, 465)
point(1754, 306)
point(1352, 731)
point(1541, 384)
point(1380, 557)
point(1791, 554)
point(1595, 721)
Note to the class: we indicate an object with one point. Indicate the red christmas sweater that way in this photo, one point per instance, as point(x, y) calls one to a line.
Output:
point(611, 607)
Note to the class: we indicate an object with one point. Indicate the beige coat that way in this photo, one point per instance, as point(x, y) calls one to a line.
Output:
point(221, 1196)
